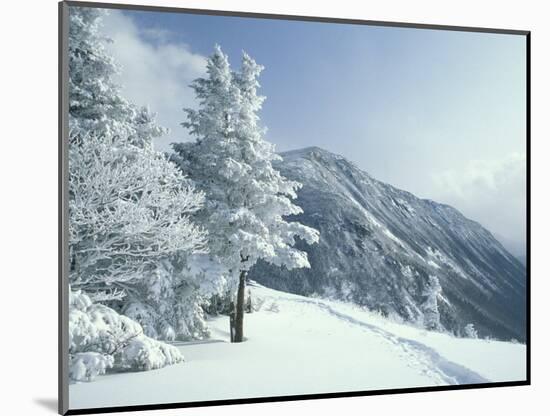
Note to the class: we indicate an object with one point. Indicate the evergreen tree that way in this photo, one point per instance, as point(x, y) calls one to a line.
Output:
point(95, 101)
point(470, 331)
point(430, 307)
point(247, 200)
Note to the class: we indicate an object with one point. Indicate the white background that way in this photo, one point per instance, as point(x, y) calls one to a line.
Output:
point(28, 174)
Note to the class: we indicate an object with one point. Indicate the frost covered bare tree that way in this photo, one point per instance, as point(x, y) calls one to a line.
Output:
point(247, 200)
point(129, 209)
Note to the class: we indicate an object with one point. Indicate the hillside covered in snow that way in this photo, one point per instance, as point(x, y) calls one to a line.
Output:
point(297, 345)
point(386, 249)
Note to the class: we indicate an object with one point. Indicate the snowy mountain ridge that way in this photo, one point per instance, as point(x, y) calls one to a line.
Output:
point(386, 249)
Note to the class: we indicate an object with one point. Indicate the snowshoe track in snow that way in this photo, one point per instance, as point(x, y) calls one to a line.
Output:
point(425, 358)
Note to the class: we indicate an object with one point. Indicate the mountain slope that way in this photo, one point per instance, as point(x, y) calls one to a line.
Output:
point(386, 249)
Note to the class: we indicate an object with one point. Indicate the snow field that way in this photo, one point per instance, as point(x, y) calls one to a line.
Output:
point(297, 345)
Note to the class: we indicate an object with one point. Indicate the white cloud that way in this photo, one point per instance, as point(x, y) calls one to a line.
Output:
point(492, 192)
point(155, 73)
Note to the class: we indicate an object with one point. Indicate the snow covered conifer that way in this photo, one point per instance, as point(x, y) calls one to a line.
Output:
point(247, 200)
point(95, 100)
point(429, 306)
point(168, 302)
point(470, 331)
point(100, 338)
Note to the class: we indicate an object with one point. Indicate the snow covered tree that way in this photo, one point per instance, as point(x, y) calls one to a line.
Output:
point(470, 331)
point(247, 200)
point(129, 210)
point(95, 101)
point(100, 339)
point(429, 306)
point(132, 244)
point(169, 301)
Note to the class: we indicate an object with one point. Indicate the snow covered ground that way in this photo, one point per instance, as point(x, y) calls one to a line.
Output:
point(297, 345)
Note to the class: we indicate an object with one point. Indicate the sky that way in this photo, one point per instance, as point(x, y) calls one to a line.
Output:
point(438, 113)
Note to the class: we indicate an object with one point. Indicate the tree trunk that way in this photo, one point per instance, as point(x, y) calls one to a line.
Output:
point(239, 310)
point(231, 321)
point(248, 306)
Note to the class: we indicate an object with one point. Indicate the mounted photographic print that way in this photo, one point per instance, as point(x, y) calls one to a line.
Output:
point(265, 207)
